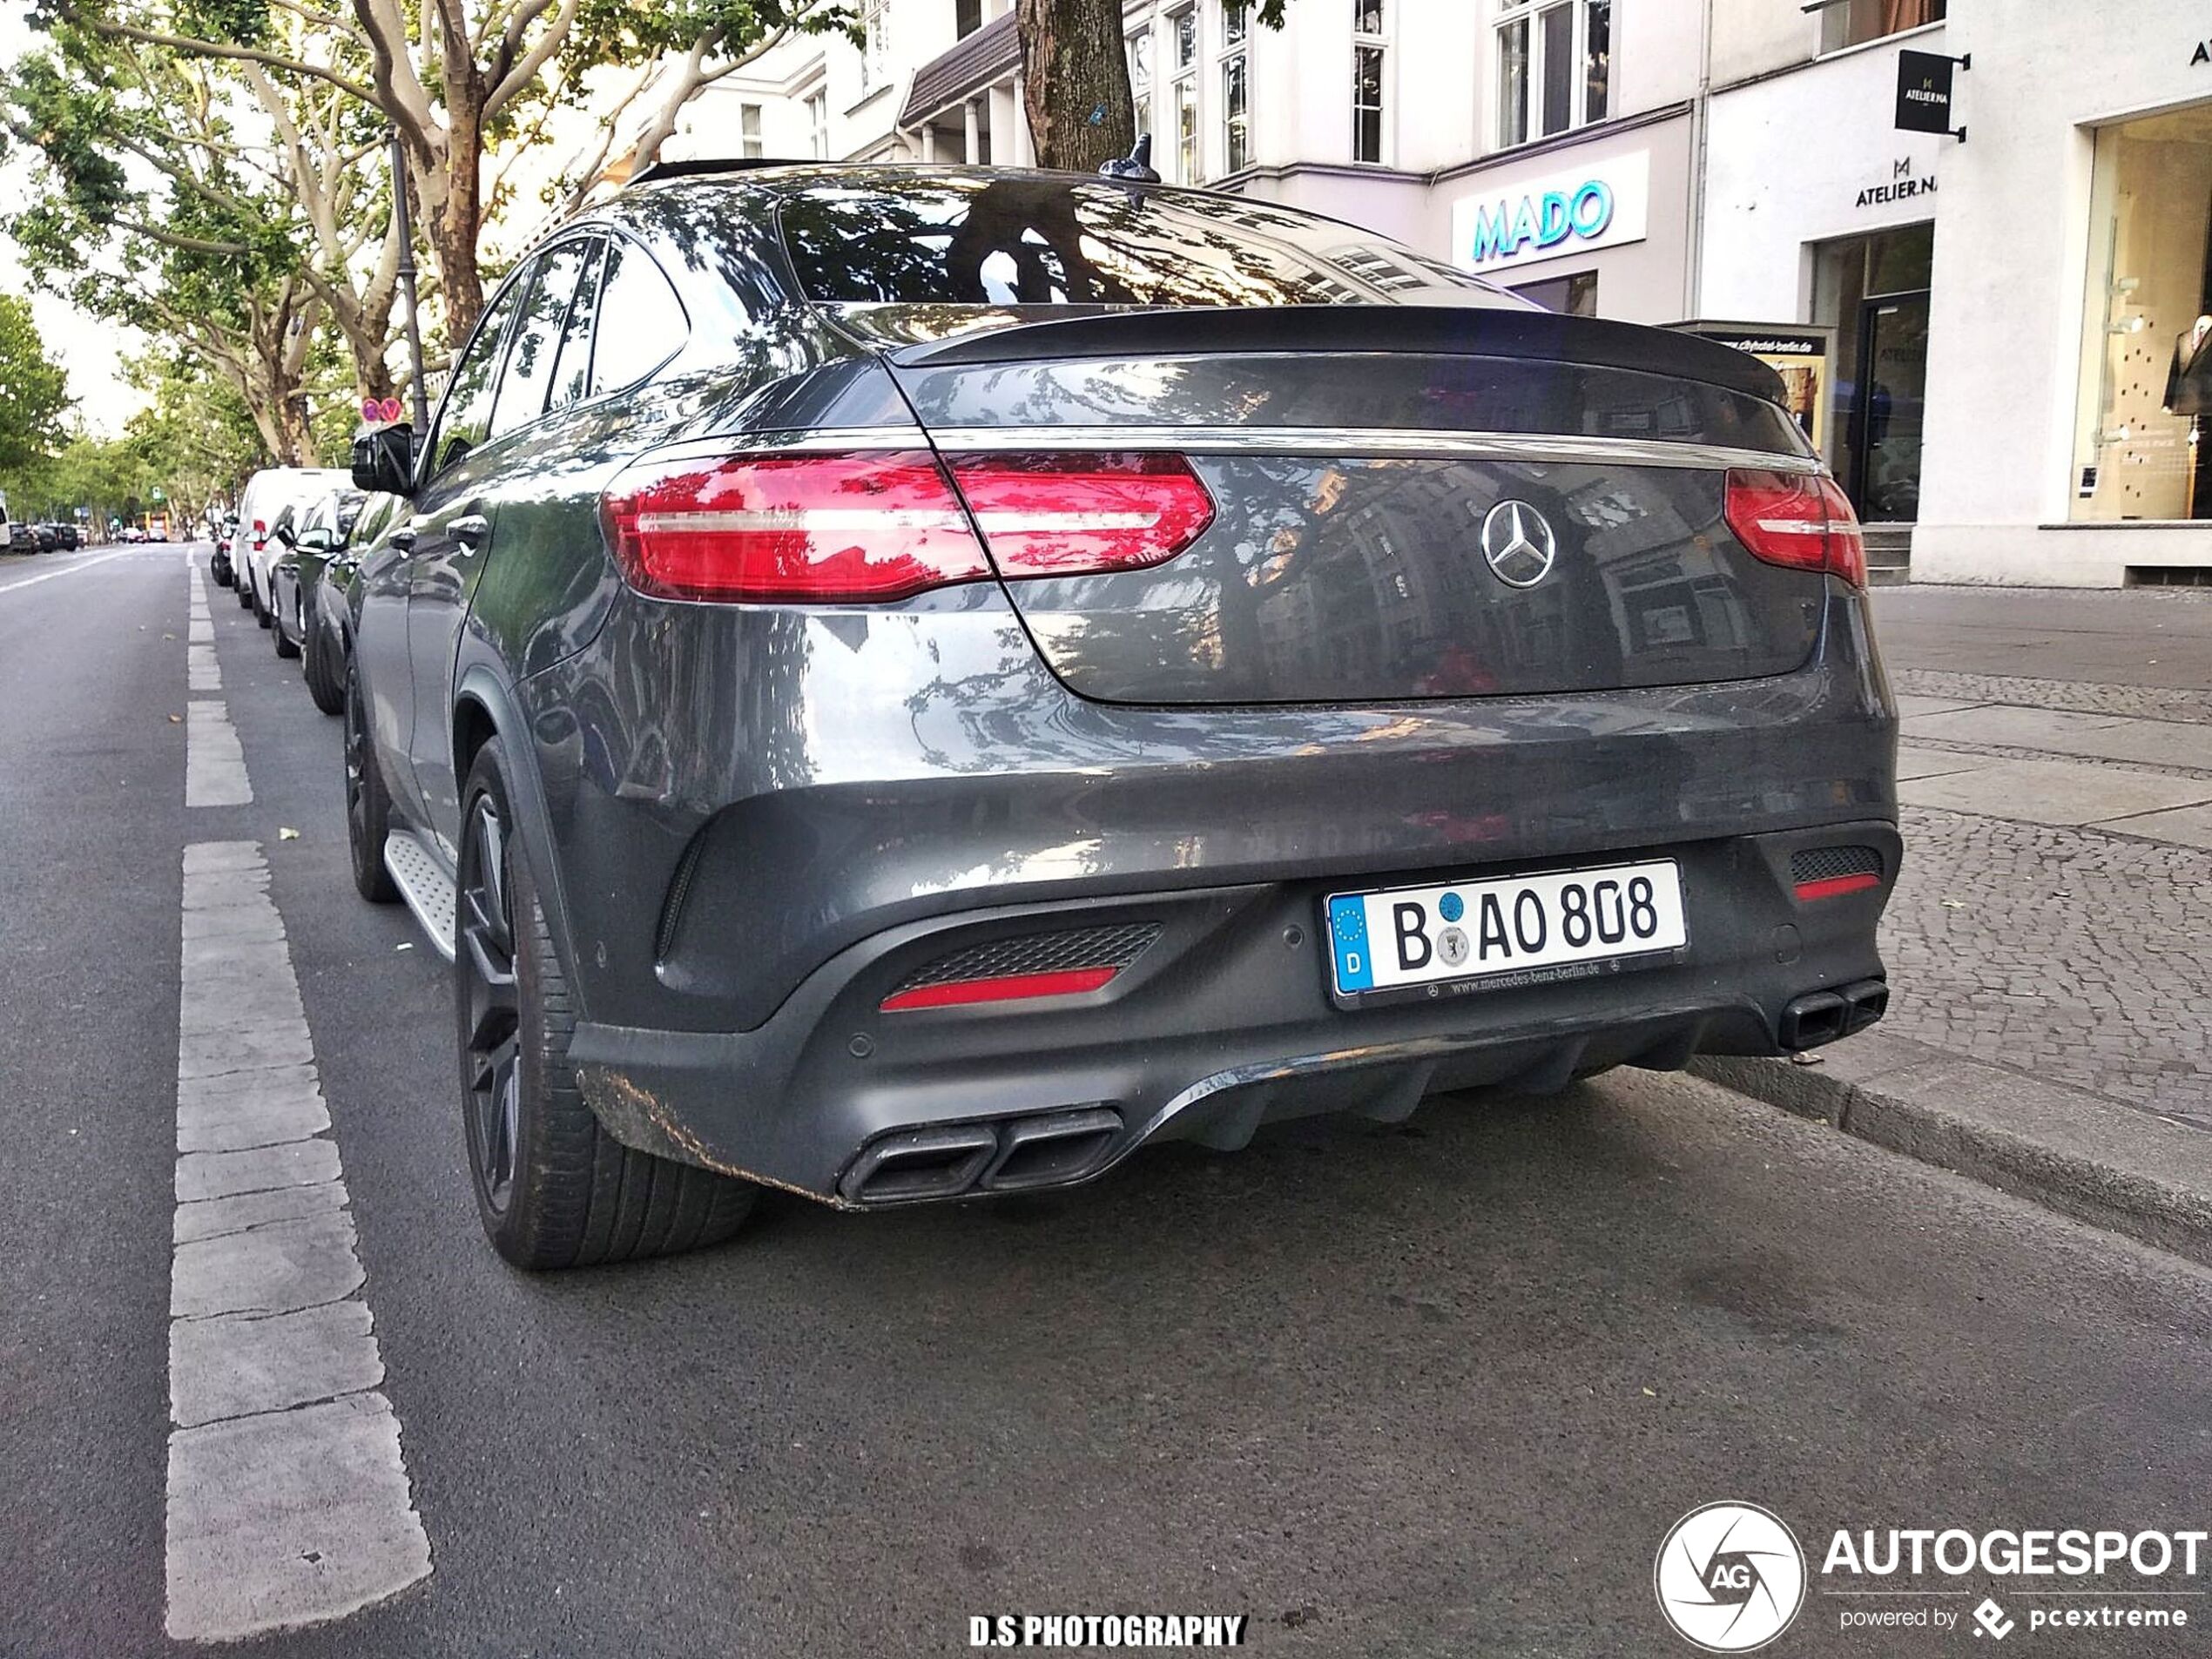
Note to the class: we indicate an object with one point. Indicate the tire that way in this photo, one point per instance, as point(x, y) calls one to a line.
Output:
point(262, 614)
point(553, 1188)
point(368, 808)
point(285, 648)
point(326, 687)
point(244, 578)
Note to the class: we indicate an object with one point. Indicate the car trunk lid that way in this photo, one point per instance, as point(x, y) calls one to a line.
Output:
point(1408, 502)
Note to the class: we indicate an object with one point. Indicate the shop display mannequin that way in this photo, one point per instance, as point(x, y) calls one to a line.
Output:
point(2189, 384)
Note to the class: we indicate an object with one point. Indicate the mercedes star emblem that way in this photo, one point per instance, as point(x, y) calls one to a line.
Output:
point(1518, 542)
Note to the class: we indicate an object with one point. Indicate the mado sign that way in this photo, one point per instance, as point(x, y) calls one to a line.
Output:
point(1597, 206)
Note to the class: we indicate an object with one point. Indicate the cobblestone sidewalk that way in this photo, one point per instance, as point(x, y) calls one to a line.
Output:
point(2083, 957)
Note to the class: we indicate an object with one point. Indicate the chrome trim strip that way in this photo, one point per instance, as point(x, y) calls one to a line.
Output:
point(803, 440)
point(1363, 442)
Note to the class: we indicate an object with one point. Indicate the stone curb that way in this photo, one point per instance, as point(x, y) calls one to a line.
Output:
point(2112, 1166)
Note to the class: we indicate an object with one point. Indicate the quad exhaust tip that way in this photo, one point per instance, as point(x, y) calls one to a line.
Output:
point(1010, 1155)
point(1825, 1016)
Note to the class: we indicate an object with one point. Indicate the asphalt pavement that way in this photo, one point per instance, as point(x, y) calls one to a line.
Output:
point(1435, 1389)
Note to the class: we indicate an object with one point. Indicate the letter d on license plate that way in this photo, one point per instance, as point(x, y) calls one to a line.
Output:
point(1473, 930)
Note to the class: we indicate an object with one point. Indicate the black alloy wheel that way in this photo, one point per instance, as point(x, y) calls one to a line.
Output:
point(367, 808)
point(491, 1024)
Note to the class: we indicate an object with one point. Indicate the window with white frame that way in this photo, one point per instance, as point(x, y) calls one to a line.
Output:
point(875, 45)
point(817, 124)
point(1555, 66)
point(749, 140)
point(1369, 66)
point(1140, 78)
point(1183, 33)
point(1236, 87)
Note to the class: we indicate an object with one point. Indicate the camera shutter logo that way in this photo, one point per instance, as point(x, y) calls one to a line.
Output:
point(1518, 544)
point(1729, 1577)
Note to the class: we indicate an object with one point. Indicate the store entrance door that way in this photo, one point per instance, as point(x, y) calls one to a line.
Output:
point(1891, 378)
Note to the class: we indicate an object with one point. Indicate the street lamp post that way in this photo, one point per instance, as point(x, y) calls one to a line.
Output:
point(406, 286)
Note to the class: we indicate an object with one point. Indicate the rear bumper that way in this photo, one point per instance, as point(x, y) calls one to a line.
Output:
point(1223, 1022)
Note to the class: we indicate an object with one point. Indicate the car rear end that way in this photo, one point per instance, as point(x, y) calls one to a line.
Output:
point(1300, 681)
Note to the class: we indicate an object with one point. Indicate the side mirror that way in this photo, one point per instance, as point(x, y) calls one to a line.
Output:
point(384, 460)
point(284, 533)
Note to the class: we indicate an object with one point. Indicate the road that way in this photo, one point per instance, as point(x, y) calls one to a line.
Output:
point(1436, 1390)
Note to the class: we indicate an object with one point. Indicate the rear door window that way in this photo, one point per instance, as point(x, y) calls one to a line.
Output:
point(1060, 242)
point(572, 369)
point(641, 321)
point(467, 414)
point(538, 325)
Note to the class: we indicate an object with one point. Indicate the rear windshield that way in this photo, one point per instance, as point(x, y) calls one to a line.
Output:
point(1057, 241)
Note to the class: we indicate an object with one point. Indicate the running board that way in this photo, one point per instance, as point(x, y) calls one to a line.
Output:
point(425, 886)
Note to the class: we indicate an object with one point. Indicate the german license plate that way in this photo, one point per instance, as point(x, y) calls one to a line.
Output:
point(1541, 926)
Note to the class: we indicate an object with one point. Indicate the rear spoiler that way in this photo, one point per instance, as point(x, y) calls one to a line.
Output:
point(1472, 331)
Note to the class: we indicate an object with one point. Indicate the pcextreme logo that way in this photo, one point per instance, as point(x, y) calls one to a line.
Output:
point(1729, 1577)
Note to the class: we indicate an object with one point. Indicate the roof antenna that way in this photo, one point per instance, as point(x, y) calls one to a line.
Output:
point(1135, 167)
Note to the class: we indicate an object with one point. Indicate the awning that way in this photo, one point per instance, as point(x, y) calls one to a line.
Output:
point(958, 74)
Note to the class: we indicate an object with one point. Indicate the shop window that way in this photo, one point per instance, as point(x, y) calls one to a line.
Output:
point(2146, 397)
point(1853, 23)
point(1573, 295)
point(1370, 60)
point(1555, 66)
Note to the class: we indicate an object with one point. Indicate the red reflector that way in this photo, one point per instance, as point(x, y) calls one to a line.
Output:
point(1837, 884)
point(1798, 519)
point(1070, 515)
point(1010, 987)
point(805, 528)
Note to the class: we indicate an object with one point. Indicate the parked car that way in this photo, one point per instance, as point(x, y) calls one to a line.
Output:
point(22, 538)
point(900, 684)
point(308, 539)
point(65, 537)
point(267, 494)
point(329, 642)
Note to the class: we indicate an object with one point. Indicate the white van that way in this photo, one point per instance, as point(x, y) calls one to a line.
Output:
point(267, 494)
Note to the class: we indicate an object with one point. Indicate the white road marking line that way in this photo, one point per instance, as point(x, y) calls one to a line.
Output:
point(288, 1502)
point(71, 569)
point(214, 763)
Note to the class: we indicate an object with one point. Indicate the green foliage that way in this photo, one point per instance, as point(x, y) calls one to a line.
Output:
point(34, 389)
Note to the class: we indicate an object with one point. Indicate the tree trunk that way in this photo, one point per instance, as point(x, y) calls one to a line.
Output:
point(1075, 78)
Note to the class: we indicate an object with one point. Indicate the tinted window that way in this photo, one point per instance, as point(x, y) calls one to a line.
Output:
point(537, 340)
point(641, 320)
point(467, 414)
point(1050, 241)
point(572, 372)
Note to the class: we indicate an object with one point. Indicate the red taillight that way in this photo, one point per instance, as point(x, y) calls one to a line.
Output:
point(1835, 887)
point(1004, 988)
point(1081, 515)
point(817, 529)
point(862, 526)
point(1799, 519)
point(260, 535)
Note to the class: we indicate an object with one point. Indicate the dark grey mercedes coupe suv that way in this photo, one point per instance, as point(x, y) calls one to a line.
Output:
point(904, 682)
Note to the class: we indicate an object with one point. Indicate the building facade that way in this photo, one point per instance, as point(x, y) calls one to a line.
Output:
point(2010, 335)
